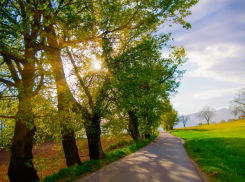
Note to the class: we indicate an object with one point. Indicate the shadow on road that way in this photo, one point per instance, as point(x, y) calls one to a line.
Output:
point(164, 159)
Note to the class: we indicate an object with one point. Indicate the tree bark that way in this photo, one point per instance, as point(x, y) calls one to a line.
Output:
point(64, 97)
point(21, 168)
point(148, 123)
point(1, 132)
point(69, 141)
point(147, 135)
point(70, 149)
point(93, 132)
point(133, 125)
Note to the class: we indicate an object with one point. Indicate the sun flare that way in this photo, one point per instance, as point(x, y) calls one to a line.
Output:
point(97, 65)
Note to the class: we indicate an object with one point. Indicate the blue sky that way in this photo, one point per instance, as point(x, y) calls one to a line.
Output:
point(215, 46)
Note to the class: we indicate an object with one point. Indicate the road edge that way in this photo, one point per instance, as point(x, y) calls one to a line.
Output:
point(202, 174)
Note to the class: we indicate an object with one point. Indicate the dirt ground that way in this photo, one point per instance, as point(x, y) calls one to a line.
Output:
point(49, 157)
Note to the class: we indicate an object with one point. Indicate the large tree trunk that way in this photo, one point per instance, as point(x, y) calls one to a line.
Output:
point(133, 125)
point(93, 133)
point(21, 167)
point(64, 98)
point(70, 149)
point(69, 141)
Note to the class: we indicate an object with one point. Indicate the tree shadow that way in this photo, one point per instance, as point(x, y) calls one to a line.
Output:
point(164, 159)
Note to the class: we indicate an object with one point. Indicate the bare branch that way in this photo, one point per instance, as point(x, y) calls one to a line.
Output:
point(206, 113)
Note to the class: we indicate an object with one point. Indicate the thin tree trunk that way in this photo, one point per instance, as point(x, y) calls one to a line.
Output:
point(21, 168)
point(2, 132)
point(133, 125)
point(148, 134)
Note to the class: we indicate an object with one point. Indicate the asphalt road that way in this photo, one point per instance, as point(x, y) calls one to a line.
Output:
point(165, 159)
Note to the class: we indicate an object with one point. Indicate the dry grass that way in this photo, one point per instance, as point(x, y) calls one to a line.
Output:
point(232, 124)
point(49, 157)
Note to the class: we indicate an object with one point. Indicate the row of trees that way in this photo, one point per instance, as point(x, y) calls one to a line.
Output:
point(50, 88)
point(206, 113)
point(237, 107)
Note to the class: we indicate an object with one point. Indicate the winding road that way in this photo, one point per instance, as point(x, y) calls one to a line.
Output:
point(164, 159)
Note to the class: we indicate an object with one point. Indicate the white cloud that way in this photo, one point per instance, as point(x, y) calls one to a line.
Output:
point(215, 93)
point(176, 102)
point(215, 47)
point(216, 56)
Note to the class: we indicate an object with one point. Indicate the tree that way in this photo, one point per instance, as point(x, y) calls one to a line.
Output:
point(223, 121)
point(142, 84)
point(170, 118)
point(31, 30)
point(22, 77)
point(114, 37)
point(237, 105)
point(184, 119)
point(206, 113)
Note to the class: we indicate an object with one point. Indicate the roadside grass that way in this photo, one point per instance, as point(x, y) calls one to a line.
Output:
point(218, 149)
point(49, 157)
point(120, 144)
point(74, 172)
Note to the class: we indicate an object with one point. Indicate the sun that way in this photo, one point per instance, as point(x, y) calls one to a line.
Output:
point(97, 65)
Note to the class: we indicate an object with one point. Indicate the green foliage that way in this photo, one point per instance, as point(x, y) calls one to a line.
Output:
point(119, 144)
point(38, 38)
point(219, 150)
point(223, 121)
point(48, 163)
point(6, 133)
point(170, 118)
point(116, 125)
point(74, 172)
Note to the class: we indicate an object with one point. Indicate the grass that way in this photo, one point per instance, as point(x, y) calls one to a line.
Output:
point(120, 144)
point(49, 157)
point(218, 149)
point(72, 173)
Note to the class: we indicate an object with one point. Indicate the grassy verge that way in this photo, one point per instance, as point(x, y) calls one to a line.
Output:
point(218, 149)
point(72, 173)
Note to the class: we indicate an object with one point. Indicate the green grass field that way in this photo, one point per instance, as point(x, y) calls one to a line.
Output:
point(218, 149)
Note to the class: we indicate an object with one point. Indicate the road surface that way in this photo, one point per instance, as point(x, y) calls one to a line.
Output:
point(165, 159)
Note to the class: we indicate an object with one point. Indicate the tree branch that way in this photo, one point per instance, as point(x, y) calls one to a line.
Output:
point(8, 83)
point(80, 79)
point(169, 76)
point(12, 69)
point(11, 117)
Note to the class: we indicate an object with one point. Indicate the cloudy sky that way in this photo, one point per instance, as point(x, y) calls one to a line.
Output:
point(215, 46)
